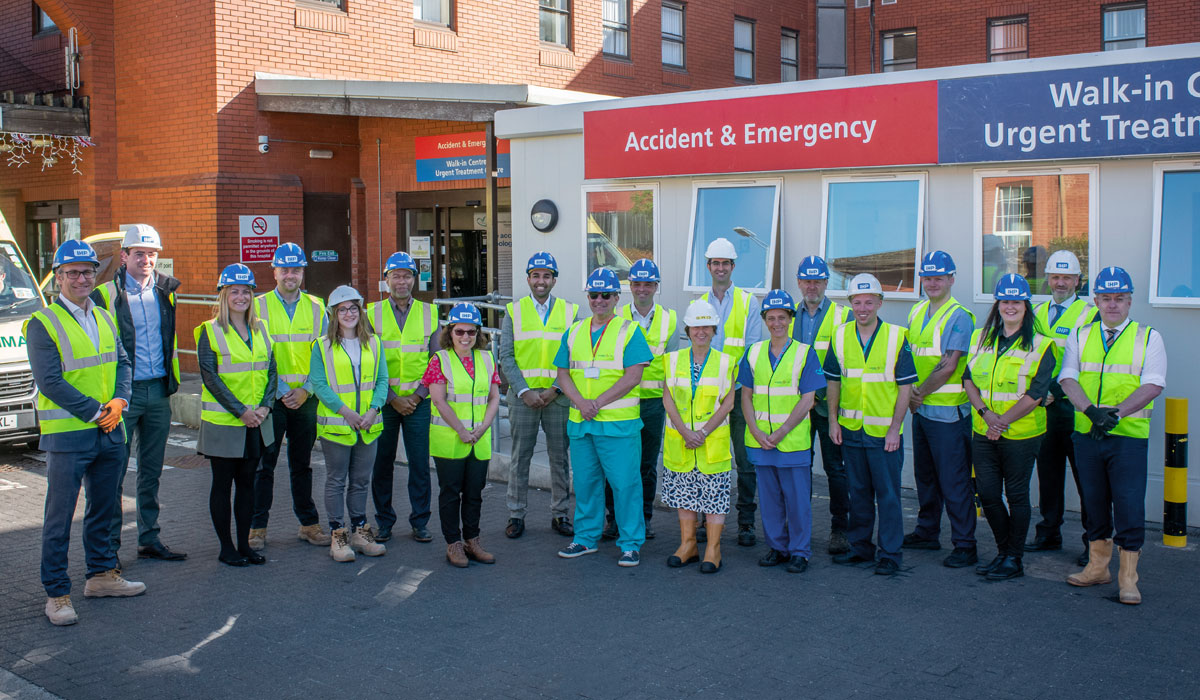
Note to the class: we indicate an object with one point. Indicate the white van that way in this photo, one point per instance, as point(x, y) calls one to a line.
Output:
point(19, 298)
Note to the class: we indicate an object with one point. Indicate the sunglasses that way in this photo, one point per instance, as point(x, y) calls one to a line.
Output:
point(601, 295)
point(464, 332)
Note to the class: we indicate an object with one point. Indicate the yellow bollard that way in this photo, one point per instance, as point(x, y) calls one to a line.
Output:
point(1175, 474)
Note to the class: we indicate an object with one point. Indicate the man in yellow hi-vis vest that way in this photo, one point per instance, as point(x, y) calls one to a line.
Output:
point(1112, 371)
point(83, 377)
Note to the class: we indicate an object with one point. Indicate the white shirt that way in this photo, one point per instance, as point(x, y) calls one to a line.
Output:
point(643, 321)
point(85, 318)
point(1154, 367)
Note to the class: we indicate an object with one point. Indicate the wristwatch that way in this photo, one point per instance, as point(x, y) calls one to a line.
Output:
point(981, 411)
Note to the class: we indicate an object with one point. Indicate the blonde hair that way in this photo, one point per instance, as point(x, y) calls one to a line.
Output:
point(362, 328)
point(221, 310)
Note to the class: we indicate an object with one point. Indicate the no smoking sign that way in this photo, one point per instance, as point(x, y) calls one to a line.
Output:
point(259, 237)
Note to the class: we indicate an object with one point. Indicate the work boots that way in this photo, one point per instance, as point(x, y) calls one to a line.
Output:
point(313, 534)
point(60, 611)
point(1096, 571)
point(339, 545)
point(686, 554)
point(258, 538)
point(712, 550)
point(456, 555)
point(110, 583)
point(362, 540)
point(475, 552)
point(1127, 577)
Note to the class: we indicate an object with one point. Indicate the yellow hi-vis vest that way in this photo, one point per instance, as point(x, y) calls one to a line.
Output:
point(776, 392)
point(926, 346)
point(407, 350)
point(292, 338)
point(1003, 379)
point(535, 342)
point(869, 391)
point(108, 290)
point(1108, 377)
point(662, 327)
point(1078, 314)
point(355, 393)
point(243, 369)
point(91, 370)
point(834, 317)
point(735, 325)
point(715, 383)
point(468, 398)
point(608, 361)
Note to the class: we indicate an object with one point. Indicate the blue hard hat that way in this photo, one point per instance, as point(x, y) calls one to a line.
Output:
point(542, 260)
point(602, 279)
point(812, 268)
point(644, 270)
point(73, 251)
point(289, 255)
point(1113, 280)
point(464, 312)
point(400, 261)
point(936, 263)
point(1012, 287)
point(779, 299)
point(236, 273)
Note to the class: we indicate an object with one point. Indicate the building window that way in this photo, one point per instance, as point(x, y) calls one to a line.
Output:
point(42, 22)
point(1125, 26)
point(621, 224)
point(554, 18)
point(874, 225)
point(672, 34)
point(743, 49)
point(747, 214)
point(789, 52)
point(831, 38)
point(616, 28)
point(1175, 258)
point(899, 50)
point(432, 11)
point(1008, 39)
point(1021, 217)
point(328, 4)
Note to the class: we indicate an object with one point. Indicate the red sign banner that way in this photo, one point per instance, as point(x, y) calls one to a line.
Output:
point(869, 126)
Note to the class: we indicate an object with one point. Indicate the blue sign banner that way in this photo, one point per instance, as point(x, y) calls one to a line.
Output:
point(1119, 110)
point(459, 168)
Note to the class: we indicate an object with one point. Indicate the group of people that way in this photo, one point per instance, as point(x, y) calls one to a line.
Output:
point(730, 408)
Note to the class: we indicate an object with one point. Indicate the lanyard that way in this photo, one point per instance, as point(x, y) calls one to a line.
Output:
point(596, 343)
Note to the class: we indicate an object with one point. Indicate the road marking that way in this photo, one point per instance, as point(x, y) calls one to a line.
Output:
point(183, 662)
point(13, 686)
point(402, 585)
point(6, 485)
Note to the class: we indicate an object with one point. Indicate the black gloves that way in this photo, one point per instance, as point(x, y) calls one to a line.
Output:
point(1103, 420)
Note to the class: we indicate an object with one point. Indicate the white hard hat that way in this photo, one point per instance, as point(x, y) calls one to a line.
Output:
point(1062, 262)
point(701, 313)
point(864, 283)
point(720, 248)
point(341, 294)
point(141, 236)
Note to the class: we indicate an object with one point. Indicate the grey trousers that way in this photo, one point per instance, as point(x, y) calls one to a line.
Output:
point(524, 422)
point(149, 418)
point(344, 464)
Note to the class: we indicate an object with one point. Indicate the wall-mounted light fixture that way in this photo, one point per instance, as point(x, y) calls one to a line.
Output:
point(544, 215)
point(320, 153)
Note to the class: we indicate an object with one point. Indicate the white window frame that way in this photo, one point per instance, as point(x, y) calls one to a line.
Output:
point(447, 9)
point(620, 187)
point(1160, 170)
point(922, 179)
point(1093, 173)
point(775, 233)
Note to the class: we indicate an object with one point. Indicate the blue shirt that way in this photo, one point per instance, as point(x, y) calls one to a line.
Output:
point(811, 379)
point(637, 352)
point(147, 329)
point(724, 307)
point(906, 373)
point(805, 330)
point(957, 337)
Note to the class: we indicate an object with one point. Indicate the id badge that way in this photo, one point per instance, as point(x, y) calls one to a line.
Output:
point(591, 372)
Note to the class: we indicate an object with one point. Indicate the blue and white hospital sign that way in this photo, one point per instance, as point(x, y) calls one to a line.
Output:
point(1117, 110)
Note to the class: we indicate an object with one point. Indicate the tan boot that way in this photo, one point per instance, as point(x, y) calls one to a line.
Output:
point(475, 552)
point(687, 552)
point(258, 538)
point(110, 583)
point(1127, 577)
point(60, 611)
point(362, 540)
point(712, 551)
point(1096, 571)
point(313, 534)
point(339, 545)
point(456, 555)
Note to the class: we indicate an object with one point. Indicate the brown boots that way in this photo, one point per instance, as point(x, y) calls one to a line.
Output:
point(1096, 571)
point(475, 552)
point(712, 551)
point(456, 555)
point(687, 553)
point(1127, 578)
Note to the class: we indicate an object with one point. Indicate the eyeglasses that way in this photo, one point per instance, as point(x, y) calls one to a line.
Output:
point(601, 295)
point(464, 332)
point(76, 274)
point(348, 311)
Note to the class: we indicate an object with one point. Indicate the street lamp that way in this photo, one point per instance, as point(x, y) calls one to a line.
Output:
point(747, 233)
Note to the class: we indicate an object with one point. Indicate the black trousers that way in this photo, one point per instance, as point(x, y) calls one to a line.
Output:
point(835, 472)
point(460, 495)
point(300, 427)
point(1002, 471)
point(227, 472)
point(1113, 473)
point(653, 416)
point(1056, 451)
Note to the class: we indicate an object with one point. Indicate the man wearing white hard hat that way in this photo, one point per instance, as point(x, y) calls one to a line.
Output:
point(142, 301)
point(870, 372)
point(740, 327)
point(1057, 319)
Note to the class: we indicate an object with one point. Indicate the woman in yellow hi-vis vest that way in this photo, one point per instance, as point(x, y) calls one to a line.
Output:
point(238, 371)
point(1008, 375)
point(349, 375)
point(464, 388)
point(697, 397)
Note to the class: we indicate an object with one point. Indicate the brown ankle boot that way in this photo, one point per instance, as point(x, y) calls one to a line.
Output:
point(475, 551)
point(687, 553)
point(712, 552)
point(1096, 571)
point(456, 556)
point(1127, 578)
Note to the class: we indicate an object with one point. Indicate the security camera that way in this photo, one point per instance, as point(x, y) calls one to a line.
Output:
point(264, 145)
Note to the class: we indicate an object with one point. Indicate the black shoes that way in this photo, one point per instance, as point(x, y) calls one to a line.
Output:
point(383, 534)
point(252, 557)
point(838, 544)
point(610, 531)
point(985, 569)
point(960, 557)
point(233, 559)
point(709, 568)
point(560, 525)
point(773, 557)
point(159, 550)
point(1044, 543)
point(1009, 567)
point(797, 565)
point(912, 541)
point(649, 531)
point(745, 537)
point(516, 528)
point(676, 563)
point(886, 567)
point(850, 558)
point(420, 534)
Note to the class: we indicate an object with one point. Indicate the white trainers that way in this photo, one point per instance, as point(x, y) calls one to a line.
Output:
point(60, 611)
point(362, 540)
point(110, 583)
point(339, 545)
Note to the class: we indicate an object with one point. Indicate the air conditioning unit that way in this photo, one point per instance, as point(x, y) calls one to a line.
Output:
point(861, 4)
